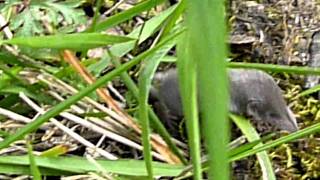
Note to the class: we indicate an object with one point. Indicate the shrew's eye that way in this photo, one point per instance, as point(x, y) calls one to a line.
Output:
point(272, 115)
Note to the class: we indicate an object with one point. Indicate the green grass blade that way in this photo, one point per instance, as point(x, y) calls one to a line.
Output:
point(288, 138)
point(67, 164)
point(33, 166)
point(12, 73)
point(55, 151)
point(119, 50)
point(65, 104)
point(126, 15)
point(145, 79)
point(188, 90)
point(237, 150)
point(96, 15)
point(174, 17)
point(187, 172)
point(25, 169)
point(13, 89)
point(144, 119)
point(309, 91)
point(251, 134)
point(276, 68)
point(207, 34)
point(303, 70)
point(79, 41)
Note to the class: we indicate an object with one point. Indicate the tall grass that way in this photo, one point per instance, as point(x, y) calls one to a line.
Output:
point(201, 65)
point(206, 53)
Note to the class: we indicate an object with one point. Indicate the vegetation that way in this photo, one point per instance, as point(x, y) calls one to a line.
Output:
point(74, 89)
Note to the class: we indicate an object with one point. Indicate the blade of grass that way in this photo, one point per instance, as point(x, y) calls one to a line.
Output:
point(144, 87)
point(309, 91)
point(12, 73)
point(22, 61)
point(13, 89)
point(23, 170)
point(145, 80)
point(78, 41)
point(126, 15)
point(96, 15)
point(93, 24)
point(249, 131)
point(174, 17)
point(188, 91)
point(65, 104)
point(187, 171)
point(276, 68)
point(288, 138)
point(149, 68)
point(141, 29)
point(67, 164)
point(33, 166)
point(250, 145)
point(55, 151)
point(119, 50)
point(207, 34)
point(271, 67)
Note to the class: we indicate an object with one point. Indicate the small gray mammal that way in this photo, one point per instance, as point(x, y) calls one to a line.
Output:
point(253, 93)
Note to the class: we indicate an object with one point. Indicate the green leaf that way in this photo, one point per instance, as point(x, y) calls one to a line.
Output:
point(126, 15)
point(33, 166)
point(291, 137)
point(268, 67)
point(188, 89)
point(23, 170)
point(249, 131)
point(29, 21)
point(10, 59)
point(25, 23)
point(276, 68)
point(248, 146)
point(68, 11)
point(149, 68)
point(13, 89)
point(119, 50)
point(55, 151)
point(67, 164)
point(206, 37)
point(309, 91)
point(79, 41)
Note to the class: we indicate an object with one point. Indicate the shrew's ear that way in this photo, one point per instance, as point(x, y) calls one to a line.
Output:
point(254, 108)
